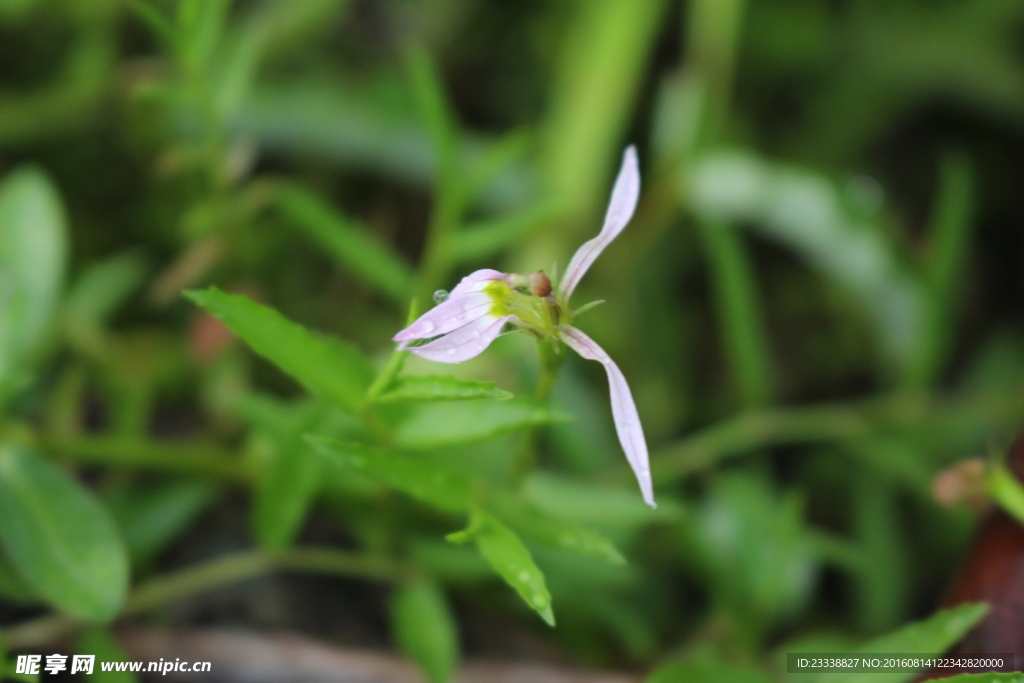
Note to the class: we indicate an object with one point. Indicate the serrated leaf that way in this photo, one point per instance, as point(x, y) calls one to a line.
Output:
point(554, 532)
point(434, 425)
point(347, 243)
point(327, 367)
point(510, 558)
point(416, 477)
point(33, 253)
point(439, 388)
point(934, 634)
point(425, 629)
point(59, 537)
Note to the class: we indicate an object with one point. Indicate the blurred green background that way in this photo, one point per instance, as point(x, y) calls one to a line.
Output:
point(817, 307)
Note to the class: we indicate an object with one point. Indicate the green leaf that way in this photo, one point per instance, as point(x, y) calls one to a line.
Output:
point(1004, 488)
point(932, 635)
point(510, 558)
point(12, 586)
point(949, 250)
point(33, 252)
point(552, 531)
point(439, 388)
point(611, 508)
point(349, 244)
point(702, 671)
point(99, 642)
point(8, 667)
point(153, 516)
point(59, 537)
point(433, 425)
point(417, 477)
point(740, 310)
point(327, 367)
point(805, 211)
point(285, 493)
point(425, 629)
point(754, 548)
point(430, 98)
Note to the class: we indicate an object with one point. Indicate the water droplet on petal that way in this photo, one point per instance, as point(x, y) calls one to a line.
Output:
point(428, 326)
point(450, 349)
point(440, 296)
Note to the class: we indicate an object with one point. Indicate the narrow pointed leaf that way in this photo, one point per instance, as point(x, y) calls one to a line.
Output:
point(327, 367)
point(440, 388)
point(416, 477)
point(60, 538)
point(554, 532)
point(932, 635)
point(511, 559)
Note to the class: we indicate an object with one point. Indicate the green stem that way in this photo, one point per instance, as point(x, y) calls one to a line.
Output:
point(953, 425)
point(185, 457)
point(213, 574)
point(739, 311)
point(551, 357)
point(752, 430)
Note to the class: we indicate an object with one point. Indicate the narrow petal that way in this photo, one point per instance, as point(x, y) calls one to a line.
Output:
point(466, 303)
point(476, 279)
point(620, 209)
point(464, 343)
point(445, 317)
point(627, 420)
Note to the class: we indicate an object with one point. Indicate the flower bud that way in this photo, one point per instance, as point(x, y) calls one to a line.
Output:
point(540, 284)
point(963, 482)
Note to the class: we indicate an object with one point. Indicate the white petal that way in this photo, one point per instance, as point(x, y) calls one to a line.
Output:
point(627, 420)
point(466, 303)
point(476, 280)
point(620, 209)
point(464, 343)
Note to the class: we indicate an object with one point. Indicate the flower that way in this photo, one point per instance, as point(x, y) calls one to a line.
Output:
point(485, 301)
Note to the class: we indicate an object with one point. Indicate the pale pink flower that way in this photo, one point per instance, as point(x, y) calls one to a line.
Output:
point(486, 300)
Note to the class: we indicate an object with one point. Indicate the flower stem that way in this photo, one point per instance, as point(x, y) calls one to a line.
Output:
point(551, 357)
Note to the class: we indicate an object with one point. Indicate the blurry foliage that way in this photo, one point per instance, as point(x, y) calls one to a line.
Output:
point(817, 307)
